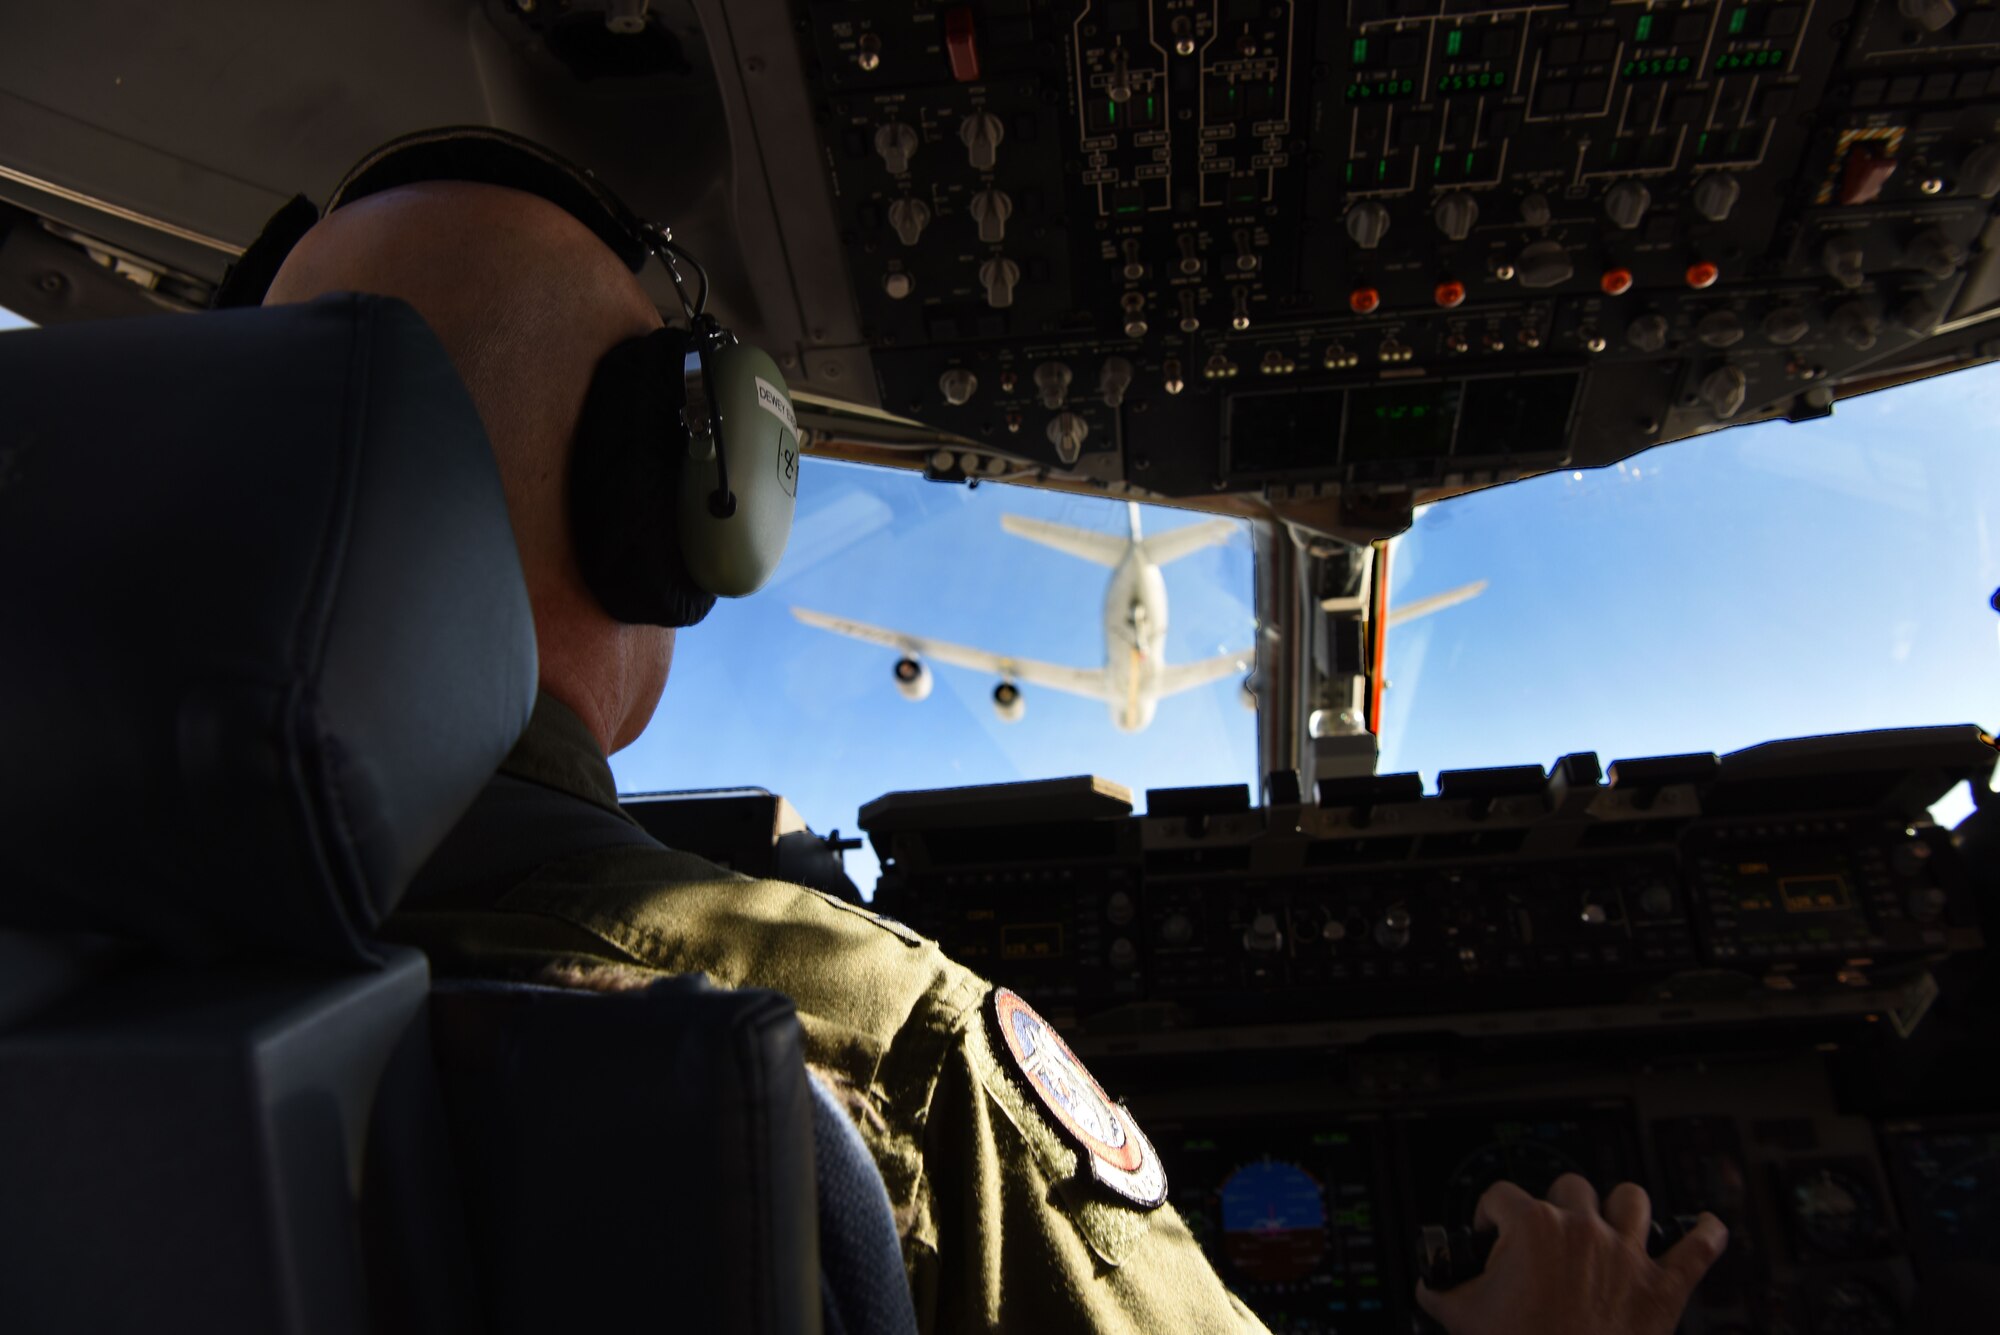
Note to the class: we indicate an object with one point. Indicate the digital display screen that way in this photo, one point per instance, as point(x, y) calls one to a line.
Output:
point(1381, 90)
point(1792, 881)
point(1948, 1183)
point(1751, 60)
point(1290, 1215)
point(1489, 81)
point(1400, 422)
point(1657, 67)
point(1287, 431)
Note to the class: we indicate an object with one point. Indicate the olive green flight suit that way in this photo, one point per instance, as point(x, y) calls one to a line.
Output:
point(1002, 1229)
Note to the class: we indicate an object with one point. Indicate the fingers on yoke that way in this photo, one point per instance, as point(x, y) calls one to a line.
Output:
point(1694, 1254)
point(1630, 1211)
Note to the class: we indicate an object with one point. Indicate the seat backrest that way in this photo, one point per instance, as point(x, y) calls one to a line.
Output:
point(265, 637)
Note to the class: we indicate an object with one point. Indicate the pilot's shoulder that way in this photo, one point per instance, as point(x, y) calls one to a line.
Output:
point(852, 974)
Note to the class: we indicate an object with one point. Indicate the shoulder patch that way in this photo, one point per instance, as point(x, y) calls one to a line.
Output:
point(1119, 1155)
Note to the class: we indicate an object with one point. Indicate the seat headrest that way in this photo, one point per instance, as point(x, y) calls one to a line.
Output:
point(263, 631)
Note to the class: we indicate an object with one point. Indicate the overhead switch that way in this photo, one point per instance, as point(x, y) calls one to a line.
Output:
point(1544, 264)
point(1857, 325)
point(1114, 380)
point(1715, 194)
point(1919, 315)
point(981, 133)
point(1648, 333)
point(1367, 224)
point(991, 209)
point(1626, 203)
point(1723, 390)
point(1720, 329)
point(1455, 215)
point(1786, 326)
point(958, 386)
point(961, 43)
point(1979, 174)
point(998, 276)
point(1843, 260)
point(1936, 254)
point(909, 217)
point(1864, 174)
point(1930, 15)
point(1066, 433)
point(1052, 383)
point(896, 142)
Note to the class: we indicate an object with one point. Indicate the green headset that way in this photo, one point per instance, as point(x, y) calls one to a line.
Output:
point(685, 472)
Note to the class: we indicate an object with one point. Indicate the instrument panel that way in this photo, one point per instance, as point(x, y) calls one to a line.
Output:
point(1200, 246)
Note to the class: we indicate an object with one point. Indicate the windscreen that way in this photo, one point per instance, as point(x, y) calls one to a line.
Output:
point(1775, 580)
point(780, 691)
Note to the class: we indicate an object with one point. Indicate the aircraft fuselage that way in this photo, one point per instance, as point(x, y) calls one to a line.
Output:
point(1135, 639)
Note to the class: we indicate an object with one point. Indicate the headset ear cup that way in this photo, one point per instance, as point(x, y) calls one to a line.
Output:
point(624, 485)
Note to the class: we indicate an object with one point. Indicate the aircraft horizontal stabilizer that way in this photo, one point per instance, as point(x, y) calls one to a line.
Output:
point(1164, 548)
point(1102, 548)
point(1180, 677)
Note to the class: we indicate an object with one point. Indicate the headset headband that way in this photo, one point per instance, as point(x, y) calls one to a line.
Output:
point(483, 156)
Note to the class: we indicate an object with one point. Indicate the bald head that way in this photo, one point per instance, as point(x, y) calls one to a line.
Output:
point(526, 301)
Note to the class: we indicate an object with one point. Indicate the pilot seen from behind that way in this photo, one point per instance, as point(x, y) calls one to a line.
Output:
point(1026, 1200)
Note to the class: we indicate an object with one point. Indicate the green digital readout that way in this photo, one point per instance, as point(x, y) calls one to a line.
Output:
point(1644, 31)
point(1751, 60)
point(1453, 41)
point(1737, 20)
point(1472, 83)
point(1658, 67)
point(1381, 90)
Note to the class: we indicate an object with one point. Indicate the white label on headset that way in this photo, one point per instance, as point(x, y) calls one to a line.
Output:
point(776, 403)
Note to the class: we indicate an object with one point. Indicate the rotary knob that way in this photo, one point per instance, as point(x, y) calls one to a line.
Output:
point(1535, 209)
point(909, 217)
point(1856, 325)
point(896, 143)
point(1720, 329)
point(1544, 264)
point(1786, 326)
point(1124, 955)
point(1393, 932)
point(1052, 383)
point(1843, 260)
point(1715, 194)
point(1120, 908)
point(1455, 215)
point(1919, 315)
point(998, 276)
point(958, 385)
point(981, 133)
point(1648, 333)
point(1935, 253)
point(1979, 174)
point(1626, 203)
point(1367, 224)
point(1930, 15)
point(991, 209)
point(1177, 930)
point(1066, 433)
point(1263, 937)
point(1723, 390)
point(1113, 380)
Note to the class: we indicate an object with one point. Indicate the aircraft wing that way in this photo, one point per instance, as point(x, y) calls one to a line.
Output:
point(1102, 548)
point(1180, 677)
point(1088, 682)
point(1163, 548)
point(1437, 602)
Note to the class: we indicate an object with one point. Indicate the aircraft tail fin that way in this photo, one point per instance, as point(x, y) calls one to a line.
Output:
point(1102, 548)
point(1163, 548)
point(1132, 520)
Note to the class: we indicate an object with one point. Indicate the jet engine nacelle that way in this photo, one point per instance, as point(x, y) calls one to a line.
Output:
point(1008, 702)
point(913, 678)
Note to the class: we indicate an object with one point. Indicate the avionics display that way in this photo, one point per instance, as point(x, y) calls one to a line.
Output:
point(1947, 1178)
point(1291, 1216)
